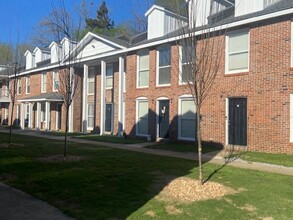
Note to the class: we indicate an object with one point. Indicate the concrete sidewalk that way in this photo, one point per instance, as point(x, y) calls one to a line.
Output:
point(213, 157)
point(15, 205)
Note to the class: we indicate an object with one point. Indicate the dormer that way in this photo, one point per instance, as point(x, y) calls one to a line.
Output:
point(41, 55)
point(55, 52)
point(67, 45)
point(29, 60)
point(243, 7)
point(161, 21)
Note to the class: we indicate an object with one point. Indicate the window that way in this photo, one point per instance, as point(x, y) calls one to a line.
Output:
point(6, 115)
point(55, 80)
point(187, 56)
point(90, 115)
point(91, 81)
point(187, 118)
point(164, 65)
point(18, 111)
point(27, 115)
point(7, 90)
point(18, 86)
point(237, 52)
point(28, 84)
point(143, 68)
point(109, 76)
point(291, 43)
point(142, 117)
point(44, 82)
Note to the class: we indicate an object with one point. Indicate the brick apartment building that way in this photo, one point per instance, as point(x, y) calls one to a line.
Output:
point(138, 87)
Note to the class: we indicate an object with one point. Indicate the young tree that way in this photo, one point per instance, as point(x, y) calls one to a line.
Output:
point(201, 53)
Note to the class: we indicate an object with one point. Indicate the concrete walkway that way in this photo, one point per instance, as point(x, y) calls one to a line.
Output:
point(213, 157)
point(15, 205)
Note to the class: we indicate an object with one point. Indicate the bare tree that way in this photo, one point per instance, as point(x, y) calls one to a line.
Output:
point(201, 53)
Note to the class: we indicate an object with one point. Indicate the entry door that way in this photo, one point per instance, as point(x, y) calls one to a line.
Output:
point(164, 118)
point(108, 119)
point(238, 121)
point(58, 116)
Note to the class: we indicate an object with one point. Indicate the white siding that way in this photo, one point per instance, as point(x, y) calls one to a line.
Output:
point(30, 60)
point(199, 11)
point(156, 24)
point(55, 53)
point(243, 7)
point(95, 47)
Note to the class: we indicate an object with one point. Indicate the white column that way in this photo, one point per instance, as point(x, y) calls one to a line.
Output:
point(103, 85)
point(84, 99)
point(22, 116)
point(38, 124)
point(47, 116)
point(120, 97)
point(70, 116)
point(30, 120)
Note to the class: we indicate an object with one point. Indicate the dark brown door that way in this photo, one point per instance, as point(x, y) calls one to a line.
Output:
point(164, 119)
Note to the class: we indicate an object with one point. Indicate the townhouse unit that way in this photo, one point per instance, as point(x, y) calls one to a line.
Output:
point(138, 86)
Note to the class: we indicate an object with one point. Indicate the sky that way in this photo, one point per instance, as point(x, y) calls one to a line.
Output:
point(20, 17)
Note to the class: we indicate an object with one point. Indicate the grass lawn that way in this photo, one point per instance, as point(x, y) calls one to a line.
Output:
point(186, 147)
point(61, 133)
point(111, 139)
point(278, 159)
point(115, 184)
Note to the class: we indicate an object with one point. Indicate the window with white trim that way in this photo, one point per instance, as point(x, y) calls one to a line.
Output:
point(187, 118)
point(90, 115)
point(91, 81)
point(143, 68)
point(164, 65)
point(44, 82)
point(27, 84)
point(109, 76)
point(237, 52)
point(142, 117)
point(18, 86)
point(292, 43)
point(187, 57)
point(55, 80)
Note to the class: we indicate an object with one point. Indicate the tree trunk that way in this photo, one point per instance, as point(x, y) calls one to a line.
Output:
point(66, 131)
point(199, 143)
point(11, 123)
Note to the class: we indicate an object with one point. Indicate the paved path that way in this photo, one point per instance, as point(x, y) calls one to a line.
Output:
point(15, 205)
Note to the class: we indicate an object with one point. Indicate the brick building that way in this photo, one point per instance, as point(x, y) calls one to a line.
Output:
point(138, 86)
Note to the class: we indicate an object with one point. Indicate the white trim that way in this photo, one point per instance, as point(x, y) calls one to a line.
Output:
point(158, 64)
point(55, 73)
point(109, 65)
point(120, 96)
point(291, 43)
point(88, 104)
point(84, 99)
point(43, 75)
point(291, 118)
point(137, 101)
point(138, 70)
point(103, 106)
point(227, 39)
point(88, 80)
point(40, 100)
point(27, 80)
point(180, 99)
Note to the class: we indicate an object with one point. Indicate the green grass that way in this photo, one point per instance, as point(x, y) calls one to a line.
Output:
point(115, 184)
point(186, 147)
point(278, 159)
point(111, 139)
point(61, 133)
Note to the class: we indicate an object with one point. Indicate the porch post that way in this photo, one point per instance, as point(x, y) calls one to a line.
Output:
point(70, 128)
point(30, 120)
point(38, 124)
point(84, 99)
point(47, 116)
point(22, 115)
point(120, 97)
point(103, 84)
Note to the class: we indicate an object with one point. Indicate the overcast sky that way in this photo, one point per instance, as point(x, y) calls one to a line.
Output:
point(20, 17)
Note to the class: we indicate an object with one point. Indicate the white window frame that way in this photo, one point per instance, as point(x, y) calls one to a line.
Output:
point(138, 100)
point(91, 72)
point(27, 84)
point(291, 43)
point(180, 99)
point(158, 65)
point(18, 86)
point(43, 84)
point(291, 118)
point(181, 82)
point(110, 76)
point(90, 116)
point(139, 54)
point(55, 74)
point(228, 36)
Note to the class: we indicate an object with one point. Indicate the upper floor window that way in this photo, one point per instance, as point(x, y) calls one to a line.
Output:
point(44, 82)
point(91, 81)
point(164, 65)
point(187, 57)
point(143, 68)
point(27, 84)
point(237, 52)
point(18, 86)
point(291, 43)
point(55, 80)
point(109, 76)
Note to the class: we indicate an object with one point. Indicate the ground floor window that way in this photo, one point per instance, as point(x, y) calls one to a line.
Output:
point(90, 115)
point(187, 118)
point(142, 117)
point(17, 119)
point(6, 115)
point(27, 115)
